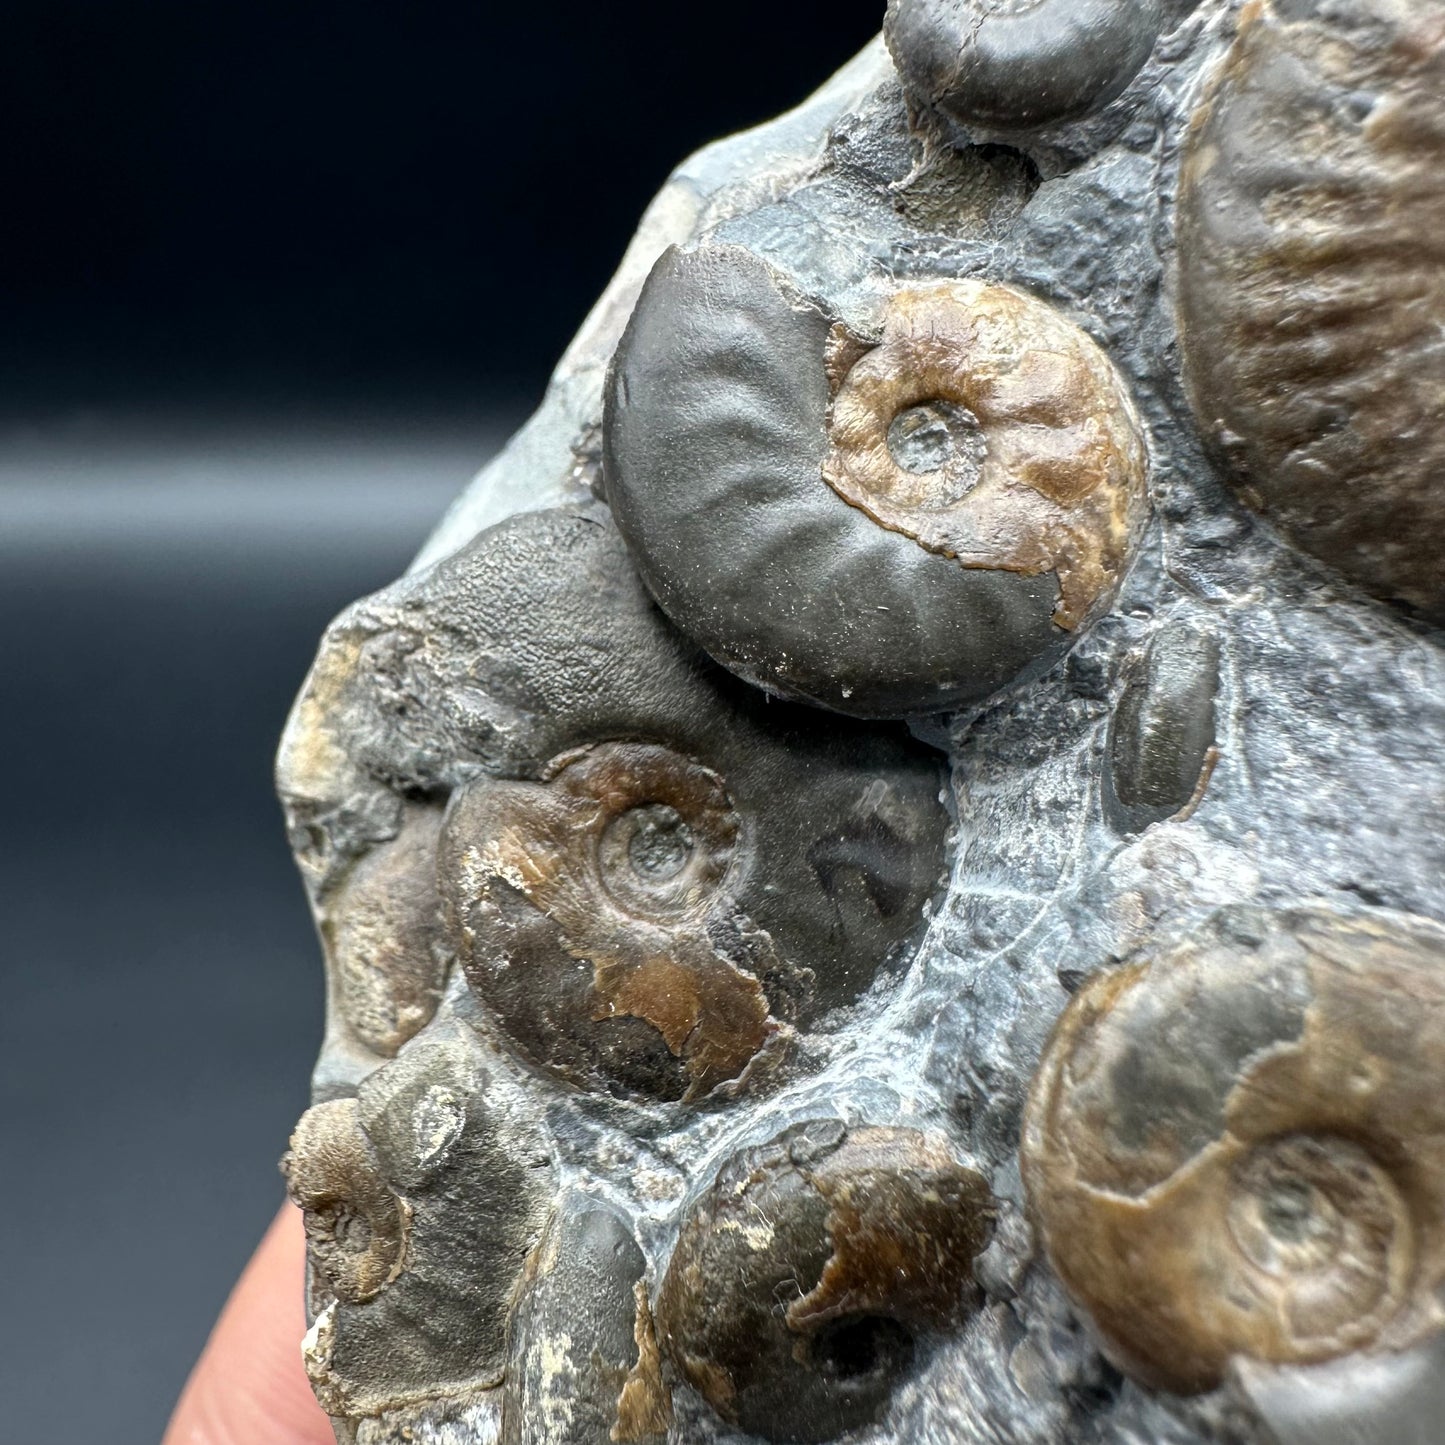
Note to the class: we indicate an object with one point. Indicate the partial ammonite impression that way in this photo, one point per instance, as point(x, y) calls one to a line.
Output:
point(585, 1367)
point(1019, 64)
point(1238, 1148)
point(805, 1274)
point(886, 527)
point(355, 1226)
point(1312, 282)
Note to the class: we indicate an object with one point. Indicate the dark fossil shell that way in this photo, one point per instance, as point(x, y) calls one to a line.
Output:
point(804, 1275)
point(1238, 1149)
point(628, 921)
point(1161, 740)
point(422, 1201)
point(1312, 282)
point(585, 1366)
point(816, 841)
point(941, 525)
point(1020, 64)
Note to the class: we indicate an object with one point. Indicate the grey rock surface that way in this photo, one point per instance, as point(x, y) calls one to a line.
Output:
point(1241, 727)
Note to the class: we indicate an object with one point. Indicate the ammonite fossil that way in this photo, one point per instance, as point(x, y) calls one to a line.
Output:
point(943, 524)
point(1312, 282)
point(1018, 64)
point(806, 717)
point(423, 1199)
point(630, 924)
point(817, 849)
point(1238, 1148)
point(804, 1275)
point(355, 1226)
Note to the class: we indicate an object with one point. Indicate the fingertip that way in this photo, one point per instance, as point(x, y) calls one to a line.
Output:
point(249, 1386)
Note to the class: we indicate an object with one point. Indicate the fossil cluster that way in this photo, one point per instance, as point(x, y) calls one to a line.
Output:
point(881, 877)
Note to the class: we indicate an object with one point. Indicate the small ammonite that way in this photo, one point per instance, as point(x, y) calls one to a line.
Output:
point(610, 917)
point(1238, 1149)
point(1016, 65)
point(804, 1275)
point(355, 1226)
point(423, 1198)
point(883, 529)
point(1312, 282)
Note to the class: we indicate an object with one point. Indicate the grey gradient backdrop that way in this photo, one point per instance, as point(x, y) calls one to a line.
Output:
point(274, 280)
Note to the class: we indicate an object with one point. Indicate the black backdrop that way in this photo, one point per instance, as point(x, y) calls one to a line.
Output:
point(273, 279)
point(324, 195)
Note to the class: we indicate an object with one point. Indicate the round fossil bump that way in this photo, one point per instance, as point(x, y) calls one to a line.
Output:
point(1311, 251)
point(1023, 63)
point(471, 1174)
point(355, 1226)
point(804, 1275)
point(1237, 1149)
point(883, 529)
point(582, 907)
point(1161, 749)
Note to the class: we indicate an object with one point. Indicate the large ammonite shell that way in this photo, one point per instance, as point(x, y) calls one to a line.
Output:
point(1238, 1149)
point(941, 526)
point(805, 1273)
point(1312, 282)
point(588, 749)
point(1020, 64)
point(610, 916)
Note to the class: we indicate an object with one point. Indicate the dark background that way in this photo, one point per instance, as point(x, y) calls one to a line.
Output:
point(274, 279)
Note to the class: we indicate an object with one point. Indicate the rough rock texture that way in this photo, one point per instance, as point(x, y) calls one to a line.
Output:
point(1239, 734)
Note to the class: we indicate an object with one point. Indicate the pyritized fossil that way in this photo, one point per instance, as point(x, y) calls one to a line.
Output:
point(714, 1056)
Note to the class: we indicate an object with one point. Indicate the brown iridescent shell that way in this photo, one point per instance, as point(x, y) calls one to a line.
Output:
point(596, 899)
point(1238, 1149)
point(610, 918)
point(1312, 282)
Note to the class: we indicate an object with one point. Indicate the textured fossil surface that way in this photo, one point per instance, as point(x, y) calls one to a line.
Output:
point(881, 878)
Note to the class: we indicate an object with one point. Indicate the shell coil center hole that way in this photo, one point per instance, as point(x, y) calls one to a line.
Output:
point(943, 443)
point(659, 843)
point(863, 1349)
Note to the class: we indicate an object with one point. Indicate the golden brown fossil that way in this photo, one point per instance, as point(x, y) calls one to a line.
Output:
point(992, 430)
point(1312, 282)
point(1238, 1148)
point(355, 1226)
